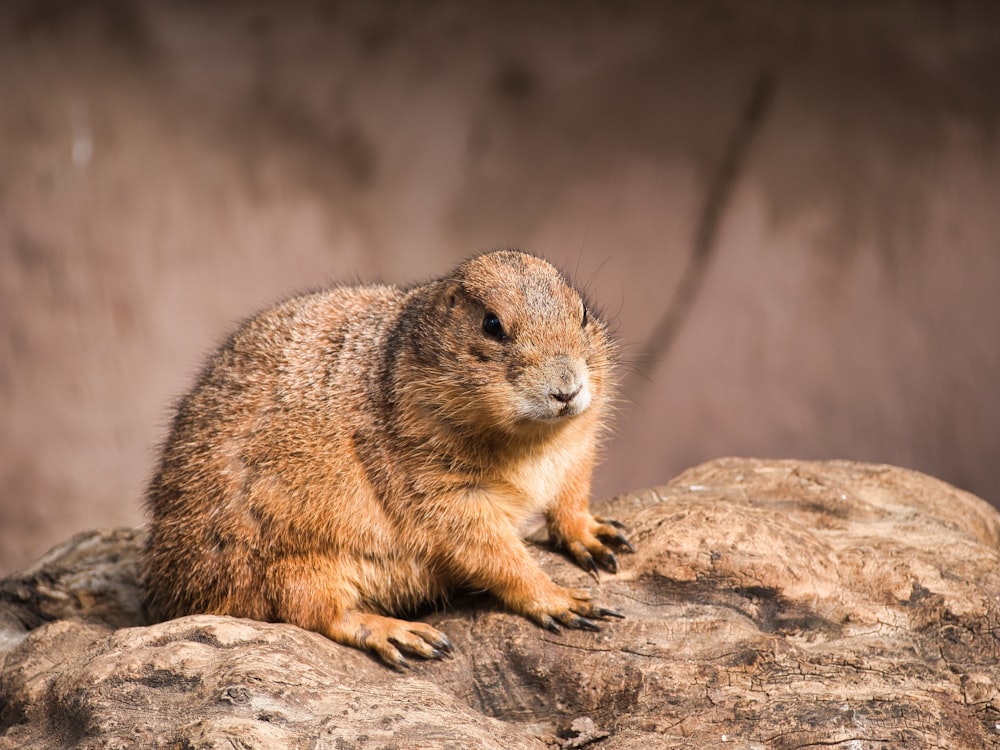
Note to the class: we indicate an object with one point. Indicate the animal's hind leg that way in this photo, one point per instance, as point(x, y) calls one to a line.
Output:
point(312, 593)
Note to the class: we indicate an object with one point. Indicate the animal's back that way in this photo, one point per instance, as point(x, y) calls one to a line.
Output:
point(243, 478)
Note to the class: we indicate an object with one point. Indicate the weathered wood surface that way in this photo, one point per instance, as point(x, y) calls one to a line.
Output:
point(771, 604)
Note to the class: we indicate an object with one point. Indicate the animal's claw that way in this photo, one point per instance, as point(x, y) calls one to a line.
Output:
point(549, 624)
point(582, 623)
point(587, 562)
point(610, 522)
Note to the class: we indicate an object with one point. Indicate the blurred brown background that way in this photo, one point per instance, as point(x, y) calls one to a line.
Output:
point(791, 210)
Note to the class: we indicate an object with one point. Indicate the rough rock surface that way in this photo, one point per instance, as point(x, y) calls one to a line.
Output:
point(799, 198)
point(769, 604)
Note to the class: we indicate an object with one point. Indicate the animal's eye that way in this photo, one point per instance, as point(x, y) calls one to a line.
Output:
point(492, 327)
point(583, 323)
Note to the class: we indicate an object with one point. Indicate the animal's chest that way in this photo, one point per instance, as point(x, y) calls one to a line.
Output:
point(540, 478)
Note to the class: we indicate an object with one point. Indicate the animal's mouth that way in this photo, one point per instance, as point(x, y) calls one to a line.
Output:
point(570, 409)
point(566, 412)
point(560, 389)
point(552, 409)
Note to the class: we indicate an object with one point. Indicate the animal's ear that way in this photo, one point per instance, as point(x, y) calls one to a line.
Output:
point(450, 296)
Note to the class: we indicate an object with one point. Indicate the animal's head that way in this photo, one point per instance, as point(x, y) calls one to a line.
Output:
point(515, 346)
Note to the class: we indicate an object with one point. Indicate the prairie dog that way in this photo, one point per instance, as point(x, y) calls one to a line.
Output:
point(351, 454)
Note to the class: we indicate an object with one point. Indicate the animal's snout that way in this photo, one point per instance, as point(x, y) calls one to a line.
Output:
point(564, 397)
point(568, 390)
point(558, 387)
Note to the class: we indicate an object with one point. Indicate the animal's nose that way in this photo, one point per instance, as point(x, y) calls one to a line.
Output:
point(564, 397)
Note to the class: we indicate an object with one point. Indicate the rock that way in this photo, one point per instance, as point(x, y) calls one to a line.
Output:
point(770, 604)
point(92, 576)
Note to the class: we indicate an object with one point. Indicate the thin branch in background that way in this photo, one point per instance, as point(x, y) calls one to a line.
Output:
point(717, 198)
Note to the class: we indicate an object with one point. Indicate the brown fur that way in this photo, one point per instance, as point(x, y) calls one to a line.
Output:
point(351, 454)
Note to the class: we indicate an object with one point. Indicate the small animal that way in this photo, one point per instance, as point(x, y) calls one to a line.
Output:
point(352, 454)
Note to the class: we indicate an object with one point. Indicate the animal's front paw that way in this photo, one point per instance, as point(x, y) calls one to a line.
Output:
point(388, 637)
point(583, 540)
point(570, 608)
